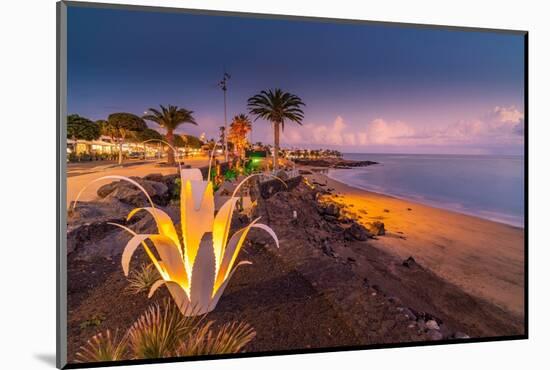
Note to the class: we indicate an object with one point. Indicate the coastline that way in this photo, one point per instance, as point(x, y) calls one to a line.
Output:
point(483, 257)
point(484, 215)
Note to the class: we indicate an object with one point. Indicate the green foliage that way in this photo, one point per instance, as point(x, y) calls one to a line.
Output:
point(142, 280)
point(192, 141)
point(121, 125)
point(85, 157)
point(277, 106)
point(93, 321)
point(170, 118)
point(81, 128)
point(102, 347)
point(177, 189)
point(230, 175)
point(250, 167)
point(146, 134)
point(179, 141)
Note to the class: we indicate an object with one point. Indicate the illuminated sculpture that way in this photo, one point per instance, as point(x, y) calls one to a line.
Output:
point(197, 267)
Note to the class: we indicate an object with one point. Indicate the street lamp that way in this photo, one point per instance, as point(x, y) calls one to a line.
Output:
point(223, 85)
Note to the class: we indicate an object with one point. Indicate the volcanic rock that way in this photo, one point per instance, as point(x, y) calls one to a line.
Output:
point(377, 228)
point(356, 232)
point(128, 193)
point(409, 262)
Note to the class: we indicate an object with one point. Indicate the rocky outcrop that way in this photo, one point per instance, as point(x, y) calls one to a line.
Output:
point(333, 163)
point(128, 193)
point(356, 232)
point(271, 187)
point(377, 228)
point(90, 234)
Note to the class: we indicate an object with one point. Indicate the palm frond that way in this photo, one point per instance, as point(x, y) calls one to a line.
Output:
point(170, 117)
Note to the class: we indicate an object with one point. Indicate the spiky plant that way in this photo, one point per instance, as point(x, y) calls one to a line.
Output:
point(103, 347)
point(158, 332)
point(196, 265)
point(142, 280)
point(163, 331)
point(230, 338)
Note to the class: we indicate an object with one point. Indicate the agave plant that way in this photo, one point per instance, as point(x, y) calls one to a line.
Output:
point(103, 347)
point(162, 331)
point(197, 267)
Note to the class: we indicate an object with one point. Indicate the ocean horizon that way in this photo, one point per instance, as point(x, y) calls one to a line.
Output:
point(486, 186)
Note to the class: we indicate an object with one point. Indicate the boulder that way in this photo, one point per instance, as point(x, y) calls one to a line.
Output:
point(409, 314)
point(432, 325)
point(435, 335)
point(409, 262)
point(460, 335)
point(330, 210)
point(377, 228)
point(327, 249)
point(127, 193)
point(90, 236)
point(330, 218)
point(282, 175)
point(356, 232)
point(157, 177)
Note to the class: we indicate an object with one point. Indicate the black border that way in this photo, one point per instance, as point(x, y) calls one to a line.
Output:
point(60, 176)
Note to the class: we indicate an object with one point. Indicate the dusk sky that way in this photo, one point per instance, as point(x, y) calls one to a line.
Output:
point(367, 88)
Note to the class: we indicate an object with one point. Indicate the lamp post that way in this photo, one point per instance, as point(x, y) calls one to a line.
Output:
point(223, 85)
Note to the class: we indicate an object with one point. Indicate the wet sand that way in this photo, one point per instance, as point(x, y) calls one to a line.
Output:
point(484, 258)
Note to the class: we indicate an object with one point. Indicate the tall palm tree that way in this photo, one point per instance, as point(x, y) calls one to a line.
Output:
point(170, 118)
point(239, 128)
point(277, 107)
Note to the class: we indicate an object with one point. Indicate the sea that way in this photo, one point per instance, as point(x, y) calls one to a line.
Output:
point(490, 187)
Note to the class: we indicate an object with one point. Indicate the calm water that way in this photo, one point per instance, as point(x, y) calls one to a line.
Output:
point(490, 187)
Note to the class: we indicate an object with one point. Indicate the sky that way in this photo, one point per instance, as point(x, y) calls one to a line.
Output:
point(367, 88)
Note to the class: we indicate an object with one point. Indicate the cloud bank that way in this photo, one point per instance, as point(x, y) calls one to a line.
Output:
point(499, 126)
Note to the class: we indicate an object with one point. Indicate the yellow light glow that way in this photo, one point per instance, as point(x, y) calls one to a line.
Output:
point(197, 268)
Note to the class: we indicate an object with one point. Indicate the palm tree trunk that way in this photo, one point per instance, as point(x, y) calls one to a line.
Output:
point(120, 151)
point(170, 139)
point(276, 153)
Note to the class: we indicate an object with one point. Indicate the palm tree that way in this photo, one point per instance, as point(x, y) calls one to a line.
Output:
point(239, 128)
point(170, 118)
point(276, 107)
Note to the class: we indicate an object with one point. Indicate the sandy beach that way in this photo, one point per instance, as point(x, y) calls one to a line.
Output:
point(484, 258)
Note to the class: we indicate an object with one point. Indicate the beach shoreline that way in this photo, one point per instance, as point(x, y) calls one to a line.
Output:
point(483, 257)
point(427, 203)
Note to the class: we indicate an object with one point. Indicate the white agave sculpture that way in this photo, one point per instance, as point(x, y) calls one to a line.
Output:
point(196, 268)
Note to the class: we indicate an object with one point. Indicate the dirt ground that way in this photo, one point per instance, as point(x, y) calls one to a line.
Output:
point(317, 290)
